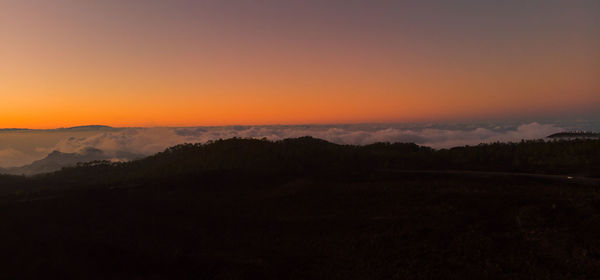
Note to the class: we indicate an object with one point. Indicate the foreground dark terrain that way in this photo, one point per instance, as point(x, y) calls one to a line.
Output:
point(305, 209)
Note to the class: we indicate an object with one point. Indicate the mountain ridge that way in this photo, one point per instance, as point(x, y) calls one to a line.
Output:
point(57, 160)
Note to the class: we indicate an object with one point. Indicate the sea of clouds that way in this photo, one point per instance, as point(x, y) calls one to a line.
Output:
point(22, 147)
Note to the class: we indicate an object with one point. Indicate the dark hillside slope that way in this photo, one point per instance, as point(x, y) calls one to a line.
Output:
point(308, 209)
point(312, 157)
point(407, 227)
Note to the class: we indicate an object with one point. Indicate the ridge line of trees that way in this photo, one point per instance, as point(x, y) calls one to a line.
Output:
point(311, 157)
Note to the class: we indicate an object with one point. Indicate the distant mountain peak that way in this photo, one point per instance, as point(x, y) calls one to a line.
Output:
point(91, 150)
point(14, 129)
point(89, 127)
point(54, 153)
point(56, 160)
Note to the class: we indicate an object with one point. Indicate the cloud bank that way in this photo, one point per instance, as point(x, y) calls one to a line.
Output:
point(147, 141)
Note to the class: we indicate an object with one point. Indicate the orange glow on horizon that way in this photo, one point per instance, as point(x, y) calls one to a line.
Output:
point(68, 65)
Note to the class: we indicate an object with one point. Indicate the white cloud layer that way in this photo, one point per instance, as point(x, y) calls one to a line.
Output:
point(146, 141)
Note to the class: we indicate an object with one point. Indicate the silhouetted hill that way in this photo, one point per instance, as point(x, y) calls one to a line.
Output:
point(57, 160)
point(312, 157)
point(308, 209)
point(82, 127)
point(88, 127)
point(13, 129)
point(308, 155)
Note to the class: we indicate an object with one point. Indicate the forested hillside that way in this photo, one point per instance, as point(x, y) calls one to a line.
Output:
point(310, 157)
point(308, 209)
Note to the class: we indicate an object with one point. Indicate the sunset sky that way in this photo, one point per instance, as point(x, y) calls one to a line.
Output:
point(185, 63)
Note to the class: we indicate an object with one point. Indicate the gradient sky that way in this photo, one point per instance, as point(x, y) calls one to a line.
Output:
point(183, 63)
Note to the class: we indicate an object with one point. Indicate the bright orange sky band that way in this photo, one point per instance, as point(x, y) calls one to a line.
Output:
point(156, 64)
